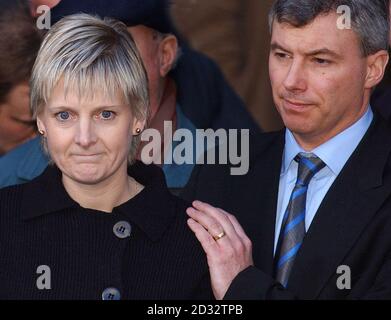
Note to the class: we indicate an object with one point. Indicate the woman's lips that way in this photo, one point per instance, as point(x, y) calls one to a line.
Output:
point(87, 157)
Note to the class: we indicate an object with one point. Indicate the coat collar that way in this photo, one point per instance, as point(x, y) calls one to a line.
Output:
point(152, 210)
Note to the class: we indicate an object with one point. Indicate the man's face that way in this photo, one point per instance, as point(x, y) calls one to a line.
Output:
point(16, 124)
point(318, 77)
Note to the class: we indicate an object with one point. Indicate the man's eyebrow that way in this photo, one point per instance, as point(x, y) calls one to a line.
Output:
point(275, 46)
point(324, 51)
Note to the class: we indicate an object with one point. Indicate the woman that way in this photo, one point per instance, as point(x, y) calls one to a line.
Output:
point(92, 227)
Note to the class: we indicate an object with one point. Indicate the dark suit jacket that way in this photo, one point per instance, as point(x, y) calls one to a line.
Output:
point(352, 226)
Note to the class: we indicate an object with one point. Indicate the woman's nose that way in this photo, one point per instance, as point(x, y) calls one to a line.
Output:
point(85, 135)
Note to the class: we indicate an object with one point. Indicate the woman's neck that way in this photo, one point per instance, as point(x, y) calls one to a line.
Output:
point(104, 196)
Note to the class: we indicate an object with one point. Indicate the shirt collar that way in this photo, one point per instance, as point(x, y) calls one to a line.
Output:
point(342, 145)
point(152, 210)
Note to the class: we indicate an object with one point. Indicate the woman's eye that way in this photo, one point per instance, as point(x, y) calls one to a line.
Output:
point(63, 116)
point(107, 115)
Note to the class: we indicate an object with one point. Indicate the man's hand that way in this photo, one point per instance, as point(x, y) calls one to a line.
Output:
point(227, 247)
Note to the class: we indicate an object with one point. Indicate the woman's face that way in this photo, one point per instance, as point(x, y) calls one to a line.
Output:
point(88, 139)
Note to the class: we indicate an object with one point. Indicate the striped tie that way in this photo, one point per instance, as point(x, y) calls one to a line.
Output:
point(293, 224)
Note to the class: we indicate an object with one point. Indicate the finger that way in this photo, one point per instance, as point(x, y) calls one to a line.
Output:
point(209, 223)
point(238, 228)
point(206, 240)
point(219, 216)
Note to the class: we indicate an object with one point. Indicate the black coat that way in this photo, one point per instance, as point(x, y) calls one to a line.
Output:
point(40, 225)
point(352, 226)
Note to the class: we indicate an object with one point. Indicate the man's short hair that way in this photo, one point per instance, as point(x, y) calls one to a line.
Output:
point(369, 18)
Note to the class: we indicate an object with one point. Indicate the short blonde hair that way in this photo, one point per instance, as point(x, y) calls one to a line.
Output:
point(87, 54)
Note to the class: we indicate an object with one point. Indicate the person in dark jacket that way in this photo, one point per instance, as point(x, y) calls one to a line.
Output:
point(96, 224)
point(186, 87)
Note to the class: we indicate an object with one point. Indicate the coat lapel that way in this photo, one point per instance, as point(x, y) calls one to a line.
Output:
point(260, 203)
point(353, 199)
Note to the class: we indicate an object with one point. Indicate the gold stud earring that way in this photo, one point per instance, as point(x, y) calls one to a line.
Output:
point(138, 131)
point(41, 132)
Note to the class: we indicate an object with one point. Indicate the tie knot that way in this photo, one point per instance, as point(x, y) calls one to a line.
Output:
point(308, 167)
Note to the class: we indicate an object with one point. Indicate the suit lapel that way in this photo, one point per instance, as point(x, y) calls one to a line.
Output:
point(346, 210)
point(260, 204)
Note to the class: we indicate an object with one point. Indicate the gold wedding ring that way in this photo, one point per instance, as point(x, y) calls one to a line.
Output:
point(219, 236)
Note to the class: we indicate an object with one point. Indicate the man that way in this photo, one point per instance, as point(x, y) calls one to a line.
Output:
point(186, 88)
point(316, 203)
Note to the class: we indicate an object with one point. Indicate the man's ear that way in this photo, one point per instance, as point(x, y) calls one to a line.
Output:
point(168, 49)
point(377, 63)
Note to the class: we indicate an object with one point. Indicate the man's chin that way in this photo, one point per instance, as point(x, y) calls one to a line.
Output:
point(303, 120)
point(300, 126)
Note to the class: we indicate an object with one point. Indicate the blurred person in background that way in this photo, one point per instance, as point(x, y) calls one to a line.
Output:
point(20, 154)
